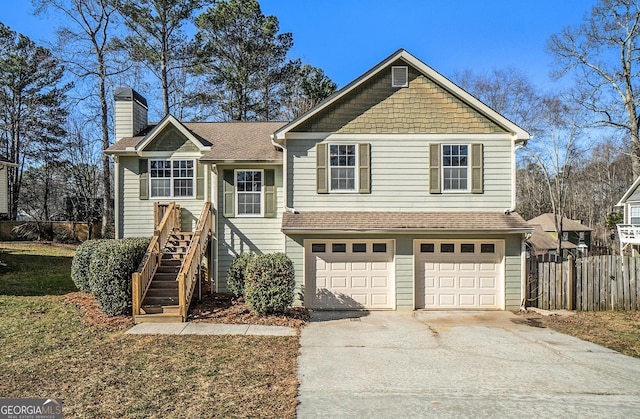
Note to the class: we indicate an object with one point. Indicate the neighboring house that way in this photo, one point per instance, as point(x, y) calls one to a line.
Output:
point(629, 230)
point(5, 199)
point(395, 193)
point(576, 237)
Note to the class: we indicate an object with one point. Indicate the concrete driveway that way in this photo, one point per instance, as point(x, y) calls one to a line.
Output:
point(453, 364)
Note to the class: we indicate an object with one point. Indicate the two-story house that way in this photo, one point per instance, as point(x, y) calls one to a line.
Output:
point(395, 193)
point(629, 229)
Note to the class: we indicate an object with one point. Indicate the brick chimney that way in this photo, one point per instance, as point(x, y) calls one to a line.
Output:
point(130, 113)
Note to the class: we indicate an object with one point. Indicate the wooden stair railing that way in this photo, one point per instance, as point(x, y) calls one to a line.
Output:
point(167, 224)
point(187, 277)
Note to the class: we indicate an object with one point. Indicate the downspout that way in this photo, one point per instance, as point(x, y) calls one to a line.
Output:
point(523, 241)
point(116, 198)
point(213, 198)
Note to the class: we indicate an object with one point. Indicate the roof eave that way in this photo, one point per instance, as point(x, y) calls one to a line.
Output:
point(628, 193)
point(467, 231)
point(242, 161)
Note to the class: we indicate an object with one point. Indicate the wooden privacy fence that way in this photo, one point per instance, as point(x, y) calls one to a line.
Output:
point(592, 283)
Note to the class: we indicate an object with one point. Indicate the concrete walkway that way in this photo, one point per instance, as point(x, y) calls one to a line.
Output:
point(453, 364)
point(209, 329)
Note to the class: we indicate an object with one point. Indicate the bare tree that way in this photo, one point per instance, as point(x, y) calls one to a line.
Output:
point(603, 54)
point(508, 92)
point(556, 153)
point(86, 47)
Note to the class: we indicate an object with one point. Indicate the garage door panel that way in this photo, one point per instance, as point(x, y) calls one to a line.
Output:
point(467, 282)
point(380, 282)
point(462, 278)
point(359, 266)
point(487, 282)
point(447, 300)
point(380, 300)
point(467, 300)
point(339, 266)
point(488, 300)
point(358, 281)
point(361, 299)
point(349, 280)
point(338, 282)
point(447, 282)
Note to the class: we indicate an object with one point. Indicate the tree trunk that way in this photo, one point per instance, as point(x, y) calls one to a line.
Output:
point(107, 212)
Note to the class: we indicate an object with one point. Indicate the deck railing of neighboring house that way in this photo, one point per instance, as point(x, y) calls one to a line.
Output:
point(188, 275)
point(629, 233)
point(167, 224)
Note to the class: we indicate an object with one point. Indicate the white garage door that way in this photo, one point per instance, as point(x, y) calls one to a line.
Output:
point(458, 274)
point(349, 274)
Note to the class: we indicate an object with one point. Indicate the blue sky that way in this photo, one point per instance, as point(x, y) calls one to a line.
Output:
point(347, 37)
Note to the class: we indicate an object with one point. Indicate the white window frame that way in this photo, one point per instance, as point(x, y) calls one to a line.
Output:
point(356, 180)
point(236, 193)
point(443, 167)
point(632, 209)
point(172, 178)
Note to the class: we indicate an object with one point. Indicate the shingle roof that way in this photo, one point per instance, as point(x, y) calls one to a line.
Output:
point(547, 223)
point(542, 242)
point(403, 221)
point(228, 140)
point(238, 140)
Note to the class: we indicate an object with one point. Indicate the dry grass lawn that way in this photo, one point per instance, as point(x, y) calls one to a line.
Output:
point(617, 330)
point(48, 350)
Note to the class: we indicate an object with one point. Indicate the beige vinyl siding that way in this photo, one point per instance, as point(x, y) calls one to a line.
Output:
point(4, 191)
point(405, 262)
point(400, 177)
point(136, 215)
point(130, 117)
point(247, 234)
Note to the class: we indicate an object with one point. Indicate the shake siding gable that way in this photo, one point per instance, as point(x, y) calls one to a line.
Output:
point(424, 107)
point(171, 139)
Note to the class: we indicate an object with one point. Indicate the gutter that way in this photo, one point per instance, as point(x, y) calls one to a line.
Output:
point(467, 232)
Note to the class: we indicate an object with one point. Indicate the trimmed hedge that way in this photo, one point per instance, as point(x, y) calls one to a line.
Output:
point(270, 284)
point(236, 274)
point(80, 264)
point(110, 271)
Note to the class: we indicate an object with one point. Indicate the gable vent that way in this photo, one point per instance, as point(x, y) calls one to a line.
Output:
point(399, 76)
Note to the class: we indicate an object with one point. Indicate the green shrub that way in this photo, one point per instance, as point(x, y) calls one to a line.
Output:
point(270, 284)
point(110, 271)
point(236, 274)
point(80, 264)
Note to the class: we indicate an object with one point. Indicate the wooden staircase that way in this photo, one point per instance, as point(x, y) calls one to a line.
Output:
point(162, 296)
point(163, 286)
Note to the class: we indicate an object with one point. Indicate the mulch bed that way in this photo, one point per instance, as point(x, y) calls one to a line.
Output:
point(222, 308)
point(213, 308)
point(92, 315)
